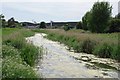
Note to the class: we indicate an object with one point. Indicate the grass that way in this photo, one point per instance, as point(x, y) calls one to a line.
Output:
point(18, 56)
point(85, 41)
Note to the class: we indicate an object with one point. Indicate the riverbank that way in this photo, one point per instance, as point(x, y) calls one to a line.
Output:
point(58, 62)
point(18, 56)
point(103, 46)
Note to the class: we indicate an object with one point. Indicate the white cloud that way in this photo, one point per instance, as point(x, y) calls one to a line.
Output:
point(56, 0)
point(49, 10)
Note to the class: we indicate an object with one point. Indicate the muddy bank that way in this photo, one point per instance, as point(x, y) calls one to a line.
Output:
point(58, 62)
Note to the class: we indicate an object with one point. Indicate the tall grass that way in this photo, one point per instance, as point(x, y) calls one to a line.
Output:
point(102, 45)
point(18, 56)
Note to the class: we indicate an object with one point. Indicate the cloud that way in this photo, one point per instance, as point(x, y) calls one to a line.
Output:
point(56, 11)
point(56, 0)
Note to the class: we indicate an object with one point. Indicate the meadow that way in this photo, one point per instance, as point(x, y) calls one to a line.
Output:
point(104, 45)
point(18, 56)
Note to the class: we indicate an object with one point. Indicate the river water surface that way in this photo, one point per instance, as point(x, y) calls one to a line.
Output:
point(58, 63)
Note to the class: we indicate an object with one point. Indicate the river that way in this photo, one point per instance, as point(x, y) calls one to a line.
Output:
point(58, 63)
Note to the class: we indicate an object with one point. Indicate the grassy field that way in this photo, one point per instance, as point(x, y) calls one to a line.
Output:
point(103, 45)
point(18, 56)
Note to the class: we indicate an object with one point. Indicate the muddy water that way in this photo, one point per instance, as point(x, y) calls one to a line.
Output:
point(57, 63)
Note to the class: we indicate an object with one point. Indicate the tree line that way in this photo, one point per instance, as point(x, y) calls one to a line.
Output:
point(12, 23)
point(99, 19)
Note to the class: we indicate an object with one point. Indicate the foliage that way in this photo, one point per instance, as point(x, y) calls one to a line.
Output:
point(114, 25)
point(42, 25)
point(103, 50)
point(29, 53)
point(99, 44)
point(117, 16)
point(79, 25)
point(12, 68)
point(87, 46)
point(116, 53)
point(86, 20)
point(66, 28)
point(18, 56)
point(100, 15)
point(10, 51)
point(11, 22)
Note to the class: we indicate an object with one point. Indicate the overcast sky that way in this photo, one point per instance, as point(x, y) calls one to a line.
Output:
point(46, 10)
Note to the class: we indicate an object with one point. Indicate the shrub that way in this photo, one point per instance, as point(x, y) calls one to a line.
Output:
point(77, 47)
point(79, 25)
point(29, 54)
point(103, 50)
point(28, 51)
point(9, 51)
point(116, 53)
point(11, 68)
point(66, 28)
point(87, 46)
point(114, 25)
point(42, 25)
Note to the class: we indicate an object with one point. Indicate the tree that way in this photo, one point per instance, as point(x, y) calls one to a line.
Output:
point(11, 22)
point(100, 15)
point(79, 25)
point(3, 22)
point(66, 27)
point(114, 25)
point(85, 20)
point(117, 16)
point(42, 25)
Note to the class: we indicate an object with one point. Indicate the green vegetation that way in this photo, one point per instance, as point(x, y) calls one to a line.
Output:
point(11, 23)
point(103, 50)
point(96, 20)
point(114, 25)
point(79, 25)
point(102, 45)
point(19, 57)
point(100, 15)
point(99, 19)
point(66, 27)
point(42, 25)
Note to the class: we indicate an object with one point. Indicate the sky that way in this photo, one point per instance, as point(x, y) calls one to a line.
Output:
point(47, 10)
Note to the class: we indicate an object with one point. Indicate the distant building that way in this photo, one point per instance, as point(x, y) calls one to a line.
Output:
point(29, 25)
point(51, 24)
point(60, 24)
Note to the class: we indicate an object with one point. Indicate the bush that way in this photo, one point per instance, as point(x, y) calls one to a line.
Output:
point(9, 51)
point(66, 28)
point(103, 50)
point(79, 25)
point(114, 25)
point(12, 68)
point(29, 53)
point(42, 25)
point(116, 53)
point(77, 47)
point(87, 46)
